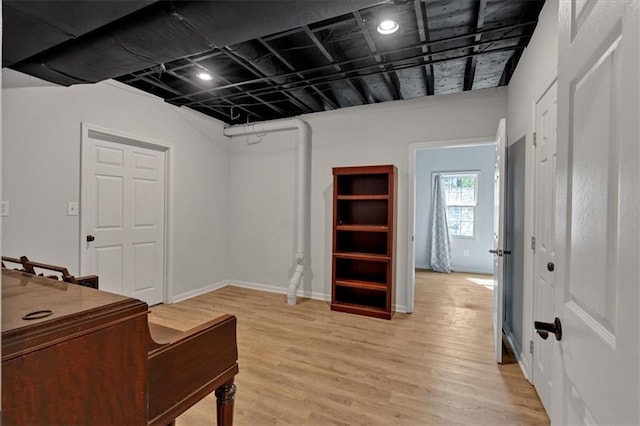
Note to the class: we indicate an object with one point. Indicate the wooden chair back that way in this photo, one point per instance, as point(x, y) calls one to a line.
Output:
point(14, 261)
point(61, 273)
point(58, 273)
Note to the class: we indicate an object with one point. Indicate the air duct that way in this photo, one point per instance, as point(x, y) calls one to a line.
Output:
point(303, 188)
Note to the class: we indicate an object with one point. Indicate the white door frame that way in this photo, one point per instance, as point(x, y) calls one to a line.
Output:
point(536, 233)
point(142, 142)
point(413, 149)
point(525, 360)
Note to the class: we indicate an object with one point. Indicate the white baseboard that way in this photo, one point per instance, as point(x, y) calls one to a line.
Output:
point(462, 270)
point(401, 309)
point(315, 295)
point(279, 290)
point(258, 286)
point(301, 293)
point(197, 292)
point(261, 287)
point(524, 366)
point(519, 356)
point(474, 271)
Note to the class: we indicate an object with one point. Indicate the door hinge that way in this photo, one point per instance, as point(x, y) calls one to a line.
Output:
point(535, 139)
point(533, 243)
point(530, 346)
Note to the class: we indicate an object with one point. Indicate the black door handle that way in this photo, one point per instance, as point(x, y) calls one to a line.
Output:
point(493, 251)
point(90, 238)
point(551, 267)
point(544, 328)
point(497, 252)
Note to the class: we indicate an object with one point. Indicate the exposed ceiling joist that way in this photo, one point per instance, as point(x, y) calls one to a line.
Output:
point(330, 102)
point(419, 62)
point(391, 84)
point(470, 69)
point(224, 99)
point(398, 63)
point(358, 91)
point(277, 58)
point(252, 69)
point(420, 10)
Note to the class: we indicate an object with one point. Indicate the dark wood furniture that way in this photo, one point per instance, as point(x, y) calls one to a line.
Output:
point(363, 240)
point(13, 262)
point(184, 367)
point(92, 357)
point(60, 272)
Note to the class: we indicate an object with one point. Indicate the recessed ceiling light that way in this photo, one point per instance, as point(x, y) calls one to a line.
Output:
point(388, 26)
point(205, 76)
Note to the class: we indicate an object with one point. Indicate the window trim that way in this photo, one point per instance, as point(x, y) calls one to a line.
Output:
point(465, 173)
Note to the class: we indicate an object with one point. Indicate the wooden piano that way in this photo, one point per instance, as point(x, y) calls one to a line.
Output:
point(73, 355)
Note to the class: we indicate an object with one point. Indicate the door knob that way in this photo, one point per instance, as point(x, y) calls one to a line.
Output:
point(551, 267)
point(544, 328)
point(90, 238)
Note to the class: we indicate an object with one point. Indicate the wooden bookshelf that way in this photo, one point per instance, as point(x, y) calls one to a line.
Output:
point(363, 261)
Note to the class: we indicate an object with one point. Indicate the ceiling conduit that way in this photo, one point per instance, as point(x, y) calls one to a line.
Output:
point(303, 188)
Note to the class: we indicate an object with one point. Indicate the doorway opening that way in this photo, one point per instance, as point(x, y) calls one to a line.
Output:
point(470, 164)
point(470, 213)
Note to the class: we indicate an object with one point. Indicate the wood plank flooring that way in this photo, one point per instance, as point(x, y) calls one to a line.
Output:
point(307, 365)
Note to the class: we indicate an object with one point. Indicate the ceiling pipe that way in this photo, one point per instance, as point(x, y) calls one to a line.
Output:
point(303, 188)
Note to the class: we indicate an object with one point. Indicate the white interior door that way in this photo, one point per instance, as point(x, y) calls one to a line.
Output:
point(598, 172)
point(544, 256)
point(122, 217)
point(498, 238)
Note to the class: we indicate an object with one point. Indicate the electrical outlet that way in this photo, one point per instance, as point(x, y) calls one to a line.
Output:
point(466, 253)
point(4, 209)
point(72, 208)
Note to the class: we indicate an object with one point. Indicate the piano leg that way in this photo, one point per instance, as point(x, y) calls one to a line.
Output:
point(226, 395)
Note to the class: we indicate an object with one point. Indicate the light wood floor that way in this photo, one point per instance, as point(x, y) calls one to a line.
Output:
point(307, 365)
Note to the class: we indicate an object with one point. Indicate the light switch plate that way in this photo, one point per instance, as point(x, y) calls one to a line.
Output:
point(4, 209)
point(72, 208)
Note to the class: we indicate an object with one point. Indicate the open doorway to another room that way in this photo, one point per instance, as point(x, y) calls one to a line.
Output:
point(464, 171)
point(465, 176)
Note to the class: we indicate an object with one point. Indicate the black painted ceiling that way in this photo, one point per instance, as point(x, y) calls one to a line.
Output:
point(271, 59)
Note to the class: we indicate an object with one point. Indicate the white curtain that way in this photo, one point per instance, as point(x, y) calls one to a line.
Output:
point(440, 241)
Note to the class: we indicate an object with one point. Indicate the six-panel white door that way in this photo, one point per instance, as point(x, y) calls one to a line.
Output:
point(544, 256)
point(596, 379)
point(122, 216)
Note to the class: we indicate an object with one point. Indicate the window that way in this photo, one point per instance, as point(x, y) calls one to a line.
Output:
point(461, 192)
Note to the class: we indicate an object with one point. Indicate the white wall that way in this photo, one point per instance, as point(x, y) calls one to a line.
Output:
point(535, 72)
point(41, 168)
point(262, 231)
point(479, 159)
point(263, 210)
